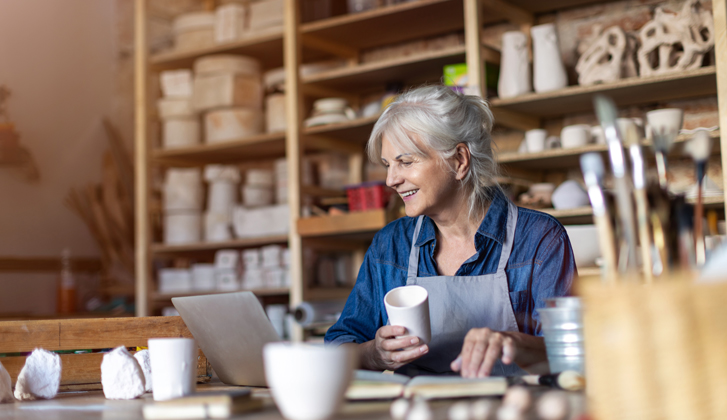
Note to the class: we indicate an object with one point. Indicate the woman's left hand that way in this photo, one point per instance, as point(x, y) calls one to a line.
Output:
point(482, 347)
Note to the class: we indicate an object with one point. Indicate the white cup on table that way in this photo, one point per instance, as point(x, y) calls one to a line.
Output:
point(307, 381)
point(173, 367)
point(408, 306)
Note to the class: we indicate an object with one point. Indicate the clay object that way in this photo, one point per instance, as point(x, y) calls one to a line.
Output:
point(671, 43)
point(538, 196)
point(549, 71)
point(6, 386)
point(121, 375)
point(515, 66)
point(569, 195)
point(602, 61)
point(40, 377)
point(142, 357)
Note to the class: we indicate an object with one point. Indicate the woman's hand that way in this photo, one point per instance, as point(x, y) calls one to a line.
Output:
point(386, 352)
point(482, 347)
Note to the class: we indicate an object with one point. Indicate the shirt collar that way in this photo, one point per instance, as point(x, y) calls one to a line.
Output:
point(494, 225)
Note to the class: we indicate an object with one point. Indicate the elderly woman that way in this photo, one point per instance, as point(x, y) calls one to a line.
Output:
point(486, 263)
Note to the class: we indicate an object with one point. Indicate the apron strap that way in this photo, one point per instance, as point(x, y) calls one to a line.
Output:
point(414, 252)
point(512, 214)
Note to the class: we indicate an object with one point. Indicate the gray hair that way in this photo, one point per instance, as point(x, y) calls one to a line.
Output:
point(441, 119)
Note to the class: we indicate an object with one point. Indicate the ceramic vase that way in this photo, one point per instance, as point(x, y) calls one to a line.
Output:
point(514, 67)
point(548, 70)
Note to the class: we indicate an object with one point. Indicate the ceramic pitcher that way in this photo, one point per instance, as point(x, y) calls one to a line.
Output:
point(548, 69)
point(515, 66)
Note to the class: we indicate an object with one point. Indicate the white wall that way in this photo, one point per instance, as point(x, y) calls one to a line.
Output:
point(58, 59)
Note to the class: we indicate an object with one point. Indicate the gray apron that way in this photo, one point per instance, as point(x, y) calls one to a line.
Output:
point(460, 303)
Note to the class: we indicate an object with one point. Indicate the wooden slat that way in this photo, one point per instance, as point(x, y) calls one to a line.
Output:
point(75, 334)
point(45, 264)
point(79, 369)
point(719, 8)
point(343, 224)
point(160, 249)
point(269, 145)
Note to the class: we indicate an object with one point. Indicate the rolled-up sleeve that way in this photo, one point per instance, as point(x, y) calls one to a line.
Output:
point(362, 315)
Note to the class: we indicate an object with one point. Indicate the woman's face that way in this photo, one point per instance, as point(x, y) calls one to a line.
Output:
point(426, 185)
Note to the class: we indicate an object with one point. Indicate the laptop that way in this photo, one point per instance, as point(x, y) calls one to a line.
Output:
point(231, 329)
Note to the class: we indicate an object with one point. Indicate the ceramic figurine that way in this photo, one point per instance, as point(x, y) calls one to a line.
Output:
point(609, 57)
point(515, 66)
point(676, 42)
point(548, 69)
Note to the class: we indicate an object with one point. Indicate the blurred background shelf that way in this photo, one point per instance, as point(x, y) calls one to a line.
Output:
point(166, 297)
point(263, 146)
point(364, 221)
point(160, 249)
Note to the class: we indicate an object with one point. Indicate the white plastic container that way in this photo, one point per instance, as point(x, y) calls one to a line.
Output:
point(175, 280)
point(203, 277)
point(227, 63)
point(175, 107)
point(230, 22)
point(182, 227)
point(261, 221)
point(181, 132)
point(227, 259)
point(176, 83)
point(194, 30)
point(225, 90)
point(266, 14)
point(222, 197)
point(251, 258)
point(227, 280)
point(232, 124)
point(257, 196)
point(275, 119)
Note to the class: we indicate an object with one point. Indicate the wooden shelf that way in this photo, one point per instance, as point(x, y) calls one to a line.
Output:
point(589, 272)
point(263, 146)
point(587, 211)
point(631, 91)
point(365, 221)
point(356, 131)
point(338, 293)
point(160, 249)
point(383, 25)
point(164, 297)
point(268, 48)
point(412, 69)
point(540, 6)
point(562, 158)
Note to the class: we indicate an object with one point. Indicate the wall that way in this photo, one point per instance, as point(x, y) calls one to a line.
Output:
point(59, 60)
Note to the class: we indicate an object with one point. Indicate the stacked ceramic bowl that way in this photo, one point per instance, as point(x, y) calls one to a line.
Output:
point(562, 321)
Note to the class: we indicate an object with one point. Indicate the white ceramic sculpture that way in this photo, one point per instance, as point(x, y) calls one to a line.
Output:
point(675, 42)
point(548, 69)
point(514, 65)
point(603, 60)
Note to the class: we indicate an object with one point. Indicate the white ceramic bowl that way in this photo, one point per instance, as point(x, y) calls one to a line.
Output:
point(569, 195)
point(308, 382)
point(585, 246)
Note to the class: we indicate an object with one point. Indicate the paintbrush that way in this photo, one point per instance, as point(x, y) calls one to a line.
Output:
point(631, 140)
point(607, 115)
point(665, 125)
point(699, 148)
point(568, 380)
point(593, 171)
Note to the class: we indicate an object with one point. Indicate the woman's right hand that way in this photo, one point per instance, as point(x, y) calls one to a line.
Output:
point(386, 352)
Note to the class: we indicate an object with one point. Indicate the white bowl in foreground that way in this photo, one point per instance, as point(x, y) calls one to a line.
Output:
point(308, 382)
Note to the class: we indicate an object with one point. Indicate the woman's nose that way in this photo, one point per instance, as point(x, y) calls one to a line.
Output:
point(393, 178)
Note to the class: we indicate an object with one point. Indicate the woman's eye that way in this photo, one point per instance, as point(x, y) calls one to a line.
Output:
point(406, 163)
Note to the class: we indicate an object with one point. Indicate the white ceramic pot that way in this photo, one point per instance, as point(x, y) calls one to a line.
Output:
point(514, 65)
point(182, 227)
point(548, 69)
point(181, 132)
point(222, 197)
point(308, 382)
point(535, 140)
point(577, 135)
point(173, 367)
point(569, 195)
point(232, 124)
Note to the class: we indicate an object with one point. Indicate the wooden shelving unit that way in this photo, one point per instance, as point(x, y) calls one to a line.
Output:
point(372, 220)
point(264, 146)
point(164, 249)
point(166, 297)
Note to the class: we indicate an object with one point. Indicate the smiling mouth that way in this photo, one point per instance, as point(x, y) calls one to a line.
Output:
point(408, 193)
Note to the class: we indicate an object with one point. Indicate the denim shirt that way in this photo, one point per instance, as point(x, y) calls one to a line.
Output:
point(541, 266)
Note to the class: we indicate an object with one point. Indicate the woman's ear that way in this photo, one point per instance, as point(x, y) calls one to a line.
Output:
point(462, 160)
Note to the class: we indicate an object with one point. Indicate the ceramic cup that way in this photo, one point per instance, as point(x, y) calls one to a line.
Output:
point(173, 367)
point(333, 106)
point(535, 140)
point(577, 135)
point(597, 134)
point(308, 382)
point(408, 306)
point(667, 121)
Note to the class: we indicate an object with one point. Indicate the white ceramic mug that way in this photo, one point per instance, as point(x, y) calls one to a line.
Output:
point(577, 135)
point(535, 140)
point(307, 381)
point(408, 306)
point(173, 367)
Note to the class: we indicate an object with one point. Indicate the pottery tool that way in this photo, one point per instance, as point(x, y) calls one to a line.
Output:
point(607, 114)
point(698, 148)
point(592, 168)
point(569, 380)
point(631, 140)
point(665, 125)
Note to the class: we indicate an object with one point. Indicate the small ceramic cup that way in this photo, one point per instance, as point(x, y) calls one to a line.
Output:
point(577, 135)
point(307, 381)
point(408, 306)
point(173, 367)
point(535, 140)
point(667, 121)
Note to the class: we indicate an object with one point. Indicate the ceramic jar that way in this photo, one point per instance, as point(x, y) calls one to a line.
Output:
point(514, 65)
point(548, 69)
